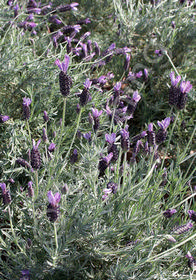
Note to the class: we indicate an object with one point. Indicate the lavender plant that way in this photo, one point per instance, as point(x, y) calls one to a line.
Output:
point(102, 196)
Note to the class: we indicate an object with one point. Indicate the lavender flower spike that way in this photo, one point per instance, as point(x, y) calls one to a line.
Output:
point(103, 164)
point(63, 66)
point(26, 109)
point(87, 136)
point(53, 207)
point(182, 229)
point(5, 194)
point(54, 199)
point(169, 212)
point(191, 261)
point(162, 133)
point(192, 215)
point(125, 142)
point(96, 115)
point(65, 81)
point(84, 96)
point(35, 156)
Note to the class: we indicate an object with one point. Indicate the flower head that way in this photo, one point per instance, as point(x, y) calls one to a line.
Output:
point(74, 5)
point(51, 147)
point(87, 136)
point(136, 96)
point(4, 118)
point(87, 83)
point(169, 212)
point(110, 138)
point(192, 215)
point(26, 101)
point(96, 113)
point(35, 155)
point(5, 194)
point(54, 199)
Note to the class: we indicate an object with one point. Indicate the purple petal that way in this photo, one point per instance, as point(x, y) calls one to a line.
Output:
point(146, 73)
point(112, 47)
point(26, 101)
point(58, 63)
point(65, 64)
point(57, 197)
point(51, 198)
point(139, 74)
point(107, 191)
point(87, 83)
point(166, 122)
point(110, 138)
point(124, 133)
point(117, 86)
point(4, 118)
point(3, 187)
point(38, 142)
point(87, 136)
point(96, 113)
point(174, 81)
point(143, 134)
point(136, 96)
point(74, 5)
point(108, 157)
point(51, 147)
point(150, 127)
point(185, 87)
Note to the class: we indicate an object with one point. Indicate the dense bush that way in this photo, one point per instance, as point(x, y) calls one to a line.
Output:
point(97, 126)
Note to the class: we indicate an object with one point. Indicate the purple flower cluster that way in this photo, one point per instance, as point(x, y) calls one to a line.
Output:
point(26, 108)
point(35, 156)
point(178, 94)
point(124, 106)
point(85, 95)
point(53, 206)
point(112, 148)
point(4, 118)
point(104, 163)
point(65, 81)
point(5, 194)
point(111, 188)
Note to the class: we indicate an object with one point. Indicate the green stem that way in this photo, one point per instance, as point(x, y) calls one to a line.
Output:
point(124, 167)
point(62, 126)
point(58, 146)
point(169, 58)
point(77, 125)
point(29, 132)
point(73, 139)
point(36, 185)
point(56, 237)
point(170, 136)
